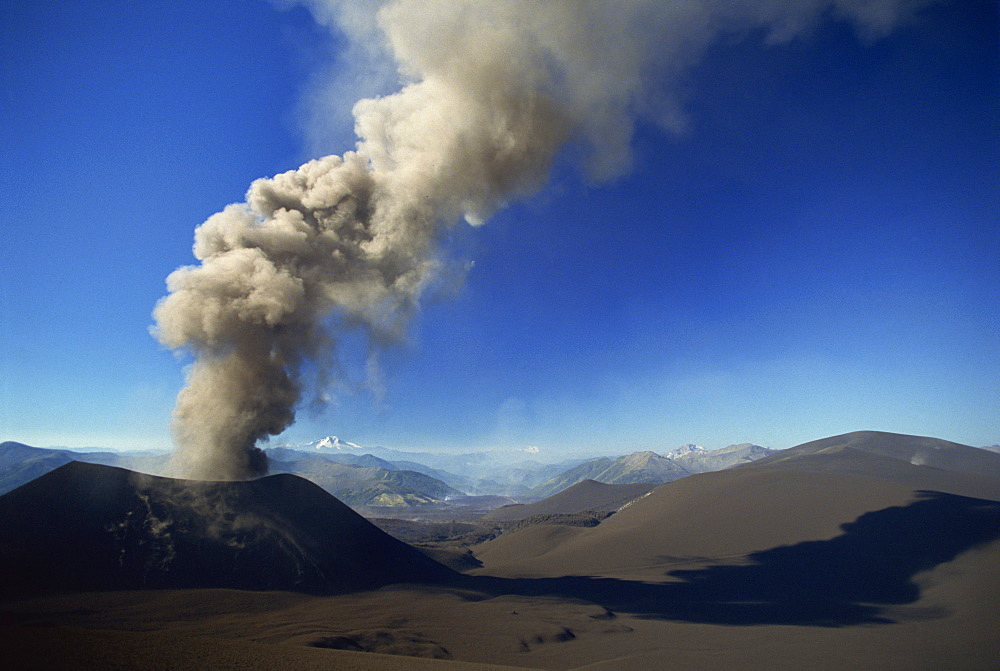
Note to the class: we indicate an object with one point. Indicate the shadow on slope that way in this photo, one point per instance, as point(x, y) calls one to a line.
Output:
point(843, 581)
point(89, 527)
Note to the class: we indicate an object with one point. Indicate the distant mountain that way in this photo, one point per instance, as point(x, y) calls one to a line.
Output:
point(372, 486)
point(357, 479)
point(630, 468)
point(651, 467)
point(700, 460)
point(331, 443)
point(992, 448)
point(86, 527)
point(493, 472)
point(287, 454)
point(516, 479)
point(497, 472)
point(362, 458)
point(457, 481)
point(21, 463)
point(685, 449)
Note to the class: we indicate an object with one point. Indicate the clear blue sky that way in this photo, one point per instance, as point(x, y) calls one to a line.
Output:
point(818, 253)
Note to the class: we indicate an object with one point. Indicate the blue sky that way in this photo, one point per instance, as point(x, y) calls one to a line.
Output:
point(818, 252)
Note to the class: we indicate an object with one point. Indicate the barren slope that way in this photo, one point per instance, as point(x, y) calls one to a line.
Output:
point(583, 496)
point(84, 526)
point(805, 493)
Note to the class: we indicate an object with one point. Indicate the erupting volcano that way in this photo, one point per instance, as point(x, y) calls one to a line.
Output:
point(492, 91)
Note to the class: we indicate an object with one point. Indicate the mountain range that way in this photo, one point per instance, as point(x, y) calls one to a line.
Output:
point(506, 472)
point(378, 477)
point(372, 485)
point(21, 463)
point(492, 472)
point(363, 480)
point(651, 467)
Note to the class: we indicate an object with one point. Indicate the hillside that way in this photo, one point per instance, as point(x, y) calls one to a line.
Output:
point(372, 486)
point(21, 463)
point(809, 493)
point(918, 462)
point(90, 527)
point(638, 467)
point(588, 495)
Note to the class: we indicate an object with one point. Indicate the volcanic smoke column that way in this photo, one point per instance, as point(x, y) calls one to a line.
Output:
point(492, 91)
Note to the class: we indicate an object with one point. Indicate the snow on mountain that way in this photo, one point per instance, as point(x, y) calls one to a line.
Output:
point(509, 472)
point(331, 443)
point(515, 472)
point(684, 449)
point(654, 468)
point(702, 460)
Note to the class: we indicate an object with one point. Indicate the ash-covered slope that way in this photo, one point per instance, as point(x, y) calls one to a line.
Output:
point(919, 462)
point(90, 527)
point(588, 495)
point(805, 494)
point(20, 463)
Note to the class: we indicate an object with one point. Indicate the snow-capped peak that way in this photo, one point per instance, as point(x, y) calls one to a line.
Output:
point(332, 443)
point(685, 449)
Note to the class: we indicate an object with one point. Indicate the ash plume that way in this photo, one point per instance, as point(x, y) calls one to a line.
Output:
point(490, 93)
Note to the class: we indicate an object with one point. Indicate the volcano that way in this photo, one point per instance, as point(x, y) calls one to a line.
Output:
point(92, 527)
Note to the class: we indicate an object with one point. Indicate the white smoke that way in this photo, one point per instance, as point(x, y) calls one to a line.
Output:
point(490, 92)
